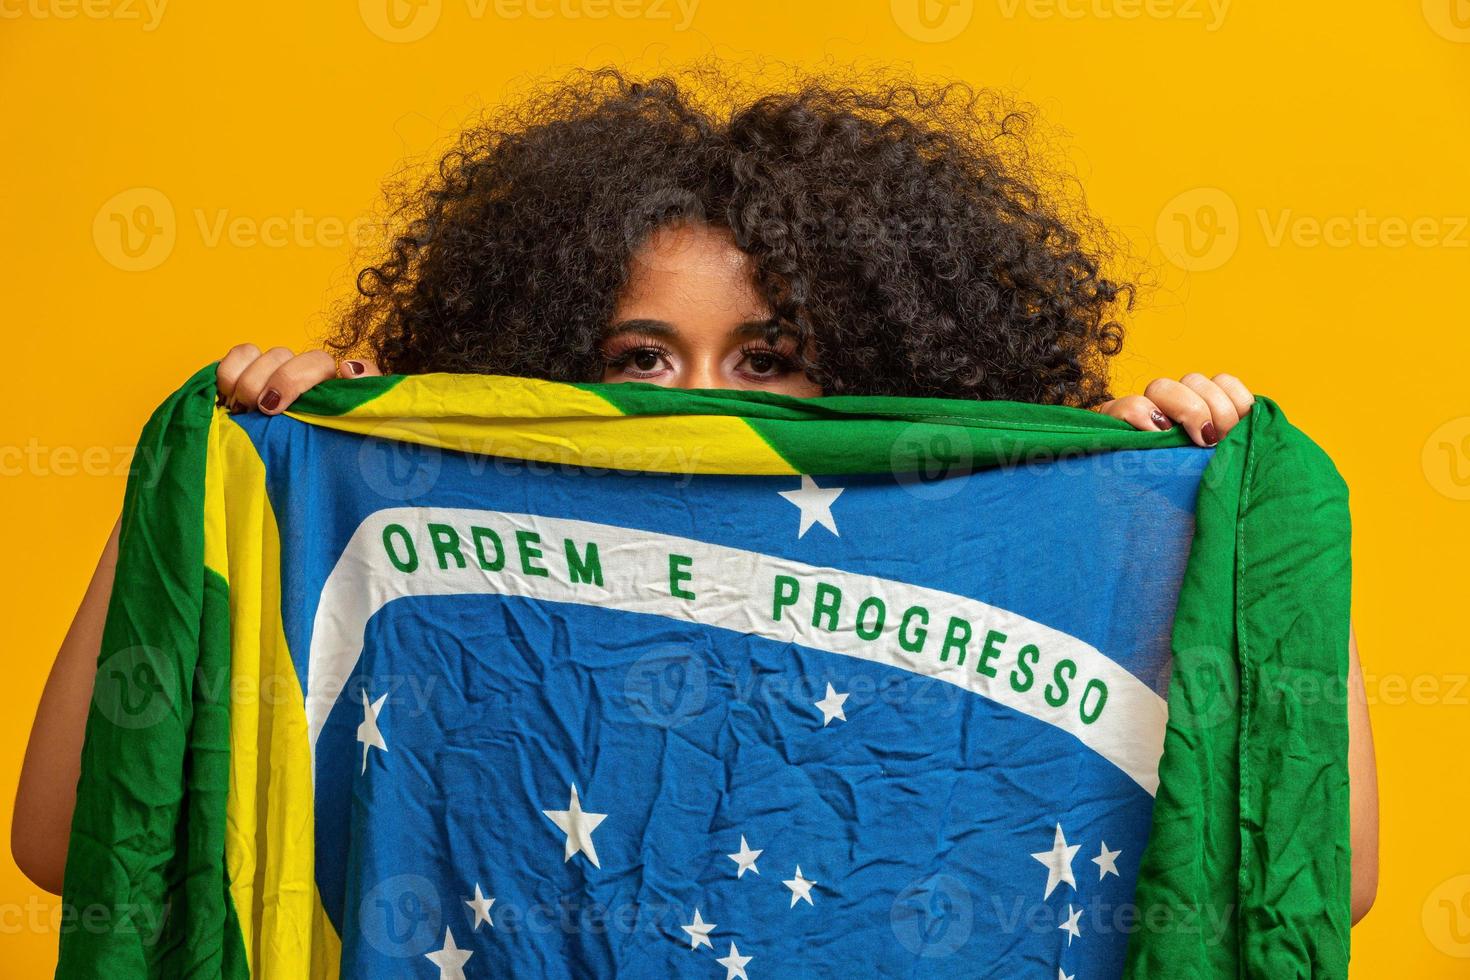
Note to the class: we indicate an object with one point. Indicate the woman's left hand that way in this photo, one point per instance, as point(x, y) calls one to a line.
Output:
point(1208, 408)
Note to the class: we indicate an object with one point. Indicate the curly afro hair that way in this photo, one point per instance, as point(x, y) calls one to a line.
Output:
point(897, 228)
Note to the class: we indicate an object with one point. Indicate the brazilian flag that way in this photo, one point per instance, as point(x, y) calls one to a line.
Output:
point(458, 676)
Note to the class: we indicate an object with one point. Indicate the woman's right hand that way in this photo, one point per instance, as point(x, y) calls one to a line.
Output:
point(271, 381)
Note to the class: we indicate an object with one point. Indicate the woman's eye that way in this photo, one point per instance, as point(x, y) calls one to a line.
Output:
point(645, 360)
point(766, 363)
point(640, 362)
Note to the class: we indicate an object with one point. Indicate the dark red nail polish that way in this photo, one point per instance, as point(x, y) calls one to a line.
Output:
point(271, 399)
point(1208, 434)
point(355, 367)
point(1157, 418)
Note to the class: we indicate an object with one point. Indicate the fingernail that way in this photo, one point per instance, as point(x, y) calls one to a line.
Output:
point(1158, 419)
point(1208, 434)
point(355, 367)
point(270, 400)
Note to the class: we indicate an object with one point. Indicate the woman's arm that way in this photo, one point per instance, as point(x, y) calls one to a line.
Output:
point(48, 779)
point(47, 794)
point(1362, 788)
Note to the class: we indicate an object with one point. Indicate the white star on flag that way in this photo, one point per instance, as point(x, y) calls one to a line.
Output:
point(699, 931)
point(1070, 926)
point(367, 732)
point(1058, 862)
point(801, 888)
point(578, 825)
point(815, 503)
point(745, 858)
point(734, 964)
point(831, 705)
point(450, 959)
point(1106, 862)
point(481, 905)
point(1065, 976)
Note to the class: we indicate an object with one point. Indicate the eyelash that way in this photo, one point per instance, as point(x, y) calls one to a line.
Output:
point(784, 364)
point(620, 360)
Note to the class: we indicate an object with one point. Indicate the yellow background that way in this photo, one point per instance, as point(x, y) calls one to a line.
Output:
point(1294, 176)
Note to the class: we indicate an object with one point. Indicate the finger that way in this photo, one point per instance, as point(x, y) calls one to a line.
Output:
point(360, 367)
point(1137, 411)
point(252, 380)
point(231, 366)
point(1183, 405)
point(1239, 395)
point(1223, 415)
point(289, 380)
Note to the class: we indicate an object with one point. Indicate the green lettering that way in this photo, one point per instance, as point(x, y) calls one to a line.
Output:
point(581, 569)
point(478, 535)
point(1093, 686)
point(913, 640)
point(526, 542)
point(829, 597)
point(989, 652)
point(786, 590)
point(1057, 693)
point(402, 564)
point(1021, 677)
point(679, 566)
point(956, 637)
point(870, 633)
point(446, 544)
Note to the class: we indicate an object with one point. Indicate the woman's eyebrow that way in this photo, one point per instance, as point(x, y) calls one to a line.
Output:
point(657, 328)
point(759, 328)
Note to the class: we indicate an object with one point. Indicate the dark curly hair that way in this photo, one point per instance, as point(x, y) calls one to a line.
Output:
point(896, 227)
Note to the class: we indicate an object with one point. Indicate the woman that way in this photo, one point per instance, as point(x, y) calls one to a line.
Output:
point(887, 239)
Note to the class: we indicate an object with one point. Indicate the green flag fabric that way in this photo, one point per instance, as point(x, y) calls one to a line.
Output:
point(454, 676)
